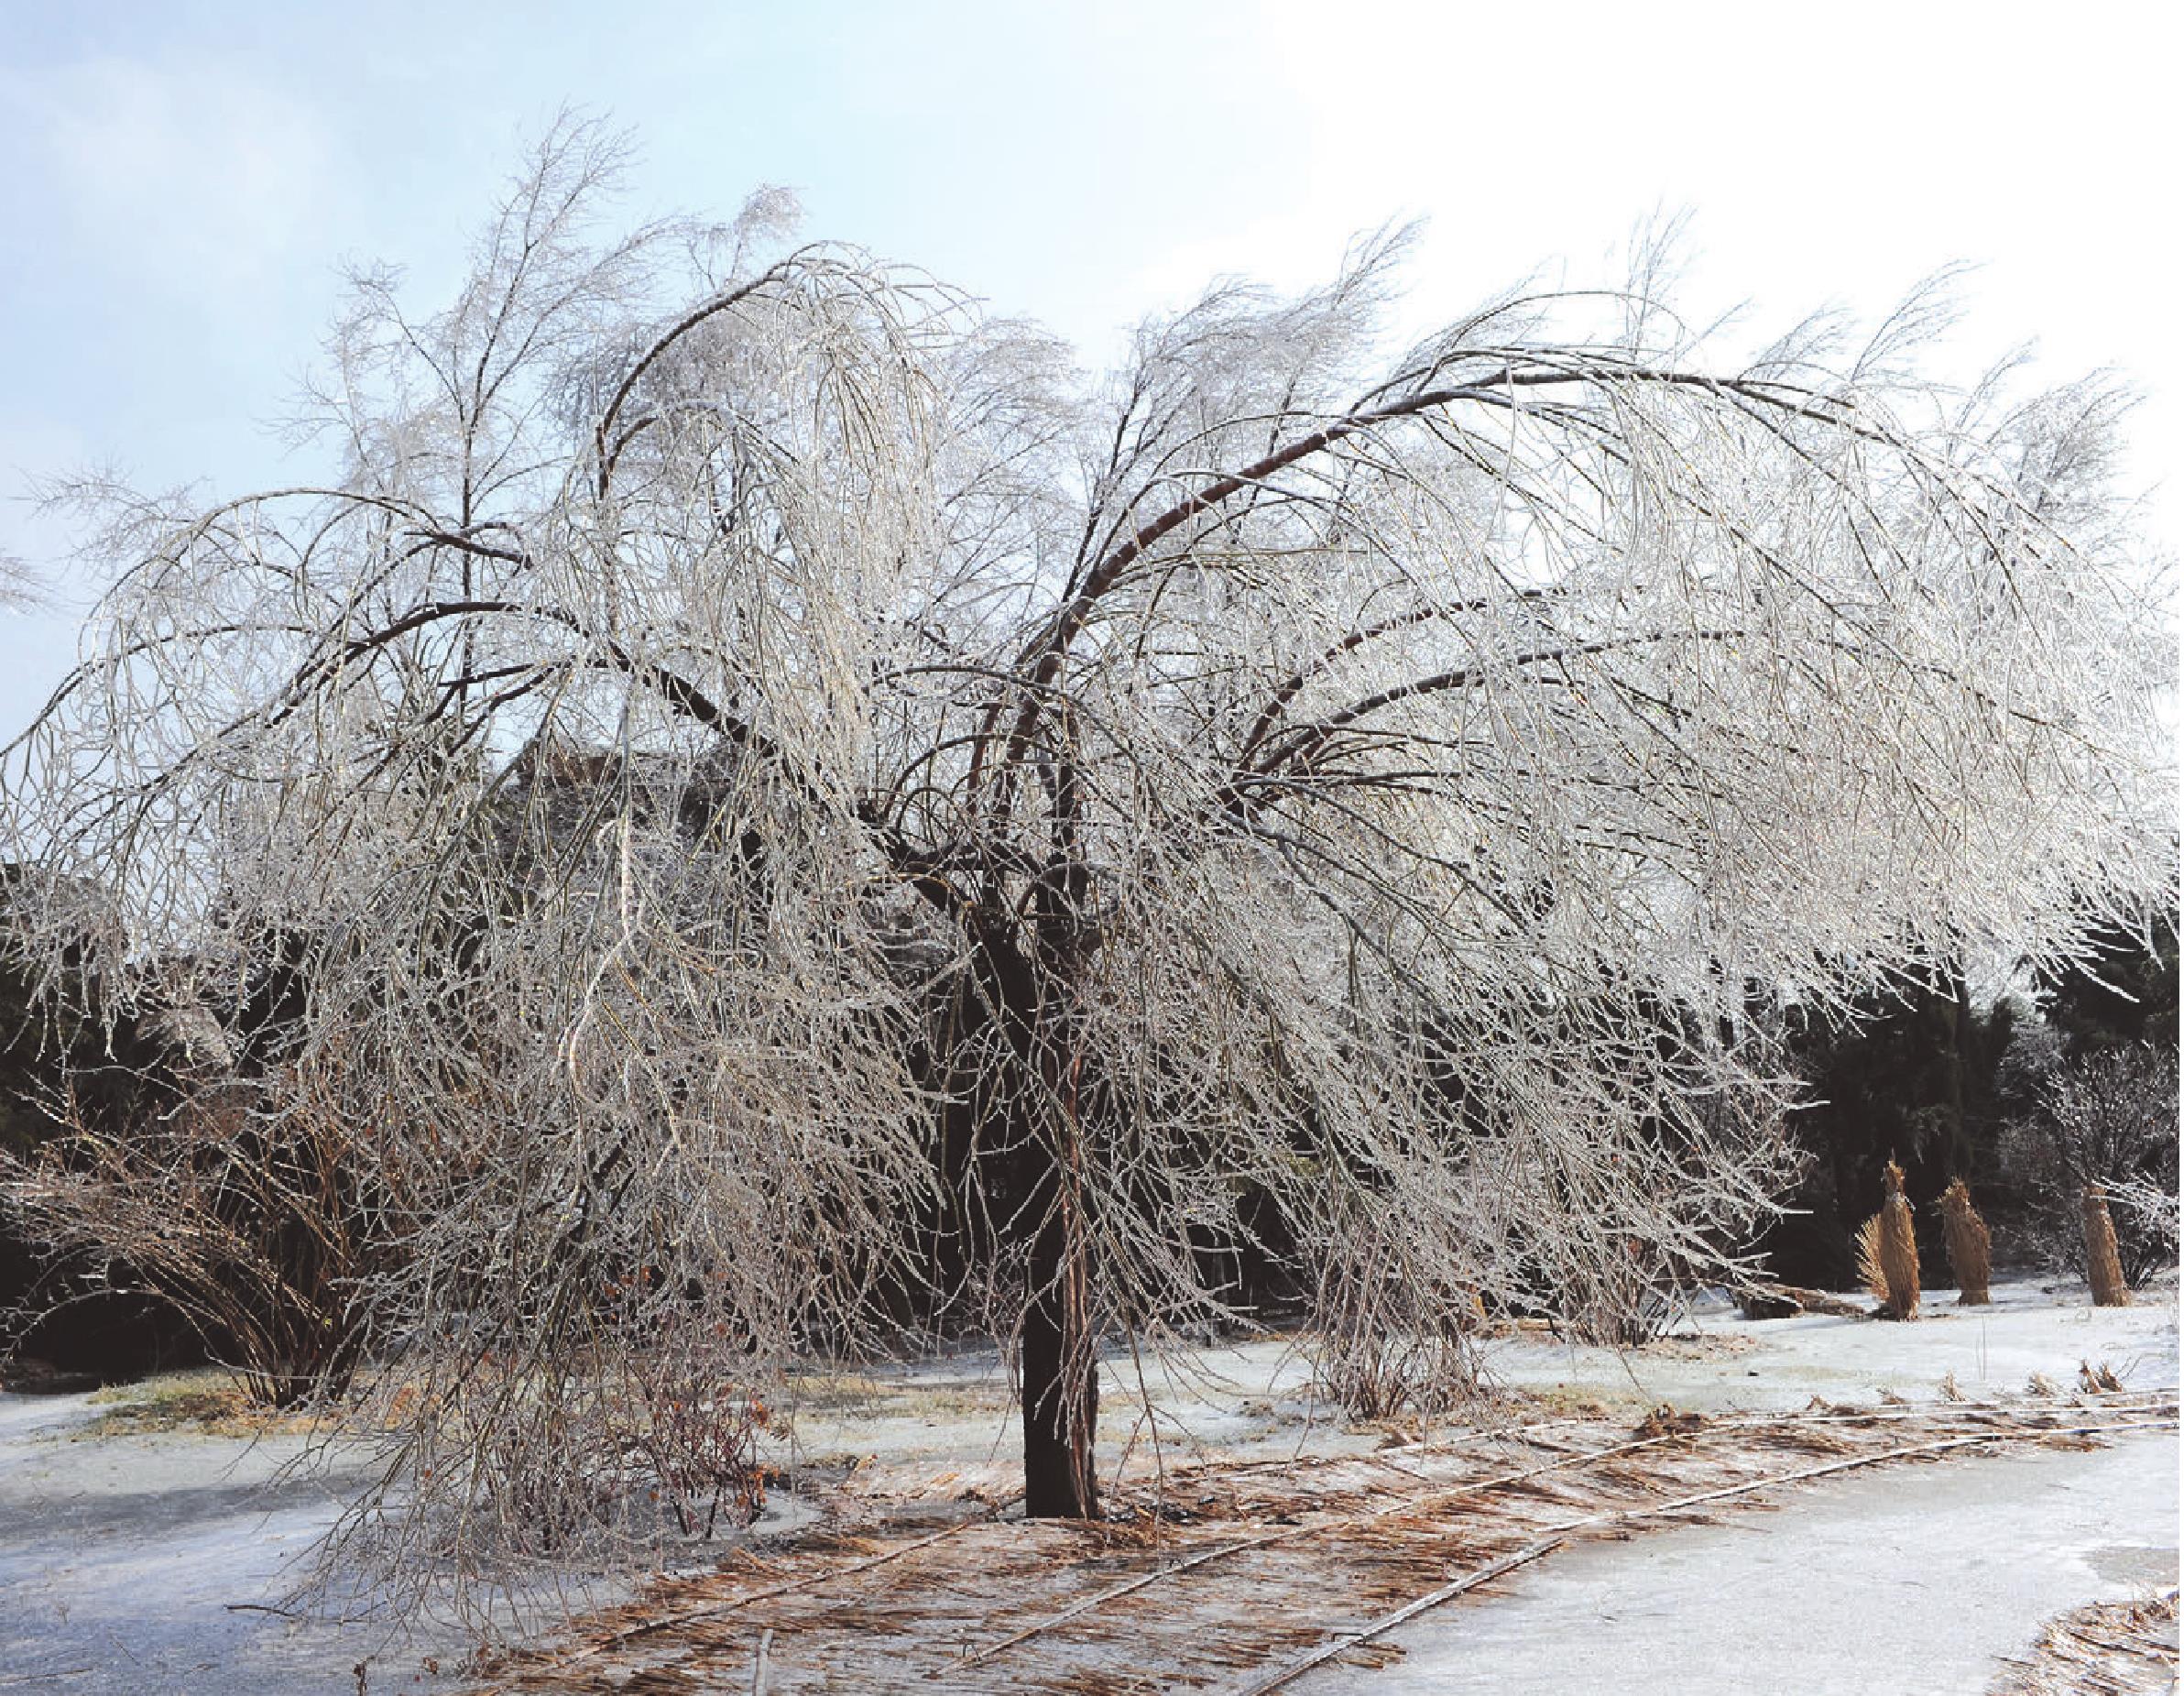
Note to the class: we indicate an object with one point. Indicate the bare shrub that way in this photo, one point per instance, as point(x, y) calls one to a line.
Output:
point(2105, 1123)
point(1388, 1341)
point(257, 1244)
point(164, 1170)
point(695, 1429)
point(1378, 1370)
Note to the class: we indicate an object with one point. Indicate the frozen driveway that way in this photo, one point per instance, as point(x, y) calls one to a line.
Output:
point(1914, 1579)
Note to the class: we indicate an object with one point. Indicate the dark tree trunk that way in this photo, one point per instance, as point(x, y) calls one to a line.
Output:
point(1042, 1180)
point(1059, 1362)
point(1061, 1382)
point(1032, 1177)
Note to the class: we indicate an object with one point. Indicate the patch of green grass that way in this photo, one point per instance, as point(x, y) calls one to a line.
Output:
point(856, 1396)
point(204, 1398)
point(1565, 1401)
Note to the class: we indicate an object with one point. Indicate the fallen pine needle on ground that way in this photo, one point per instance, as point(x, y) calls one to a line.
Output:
point(1244, 1578)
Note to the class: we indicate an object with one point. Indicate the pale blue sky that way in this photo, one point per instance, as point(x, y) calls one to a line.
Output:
point(184, 179)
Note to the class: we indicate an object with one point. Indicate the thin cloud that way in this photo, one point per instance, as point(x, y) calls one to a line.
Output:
point(188, 170)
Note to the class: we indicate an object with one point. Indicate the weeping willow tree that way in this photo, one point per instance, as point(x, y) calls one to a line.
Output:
point(762, 766)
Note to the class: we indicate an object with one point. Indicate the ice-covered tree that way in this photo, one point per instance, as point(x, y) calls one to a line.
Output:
point(2105, 1124)
point(783, 786)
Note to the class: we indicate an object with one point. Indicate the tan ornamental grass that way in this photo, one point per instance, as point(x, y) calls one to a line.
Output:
point(1888, 1252)
point(1968, 1245)
point(2103, 1267)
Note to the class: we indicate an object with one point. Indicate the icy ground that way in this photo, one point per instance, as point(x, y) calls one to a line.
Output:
point(1913, 1581)
point(2030, 1327)
point(121, 1558)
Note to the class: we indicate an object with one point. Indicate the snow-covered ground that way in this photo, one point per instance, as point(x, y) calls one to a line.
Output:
point(122, 1558)
point(2029, 1328)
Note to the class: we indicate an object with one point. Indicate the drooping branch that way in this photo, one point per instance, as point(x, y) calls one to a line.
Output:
point(1041, 660)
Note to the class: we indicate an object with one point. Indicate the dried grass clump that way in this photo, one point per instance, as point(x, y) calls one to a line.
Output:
point(203, 1399)
point(2103, 1266)
point(1868, 1244)
point(1888, 1252)
point(1968, 1245)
